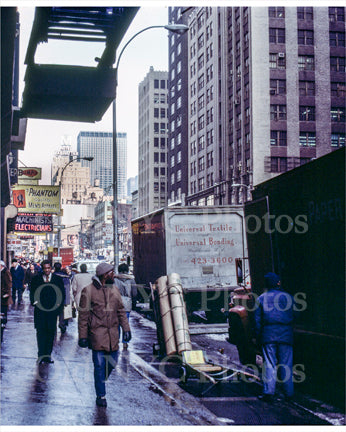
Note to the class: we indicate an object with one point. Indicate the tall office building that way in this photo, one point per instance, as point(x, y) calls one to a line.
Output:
point(132, 185)
point(99, 145)
point(152, 141)
point(266, 90)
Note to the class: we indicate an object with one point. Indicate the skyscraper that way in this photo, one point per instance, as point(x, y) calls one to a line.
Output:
point(152, 141)
point(266, 93)
point(99, 145)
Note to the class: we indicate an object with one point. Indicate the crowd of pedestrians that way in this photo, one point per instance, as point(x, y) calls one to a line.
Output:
point(103, 302)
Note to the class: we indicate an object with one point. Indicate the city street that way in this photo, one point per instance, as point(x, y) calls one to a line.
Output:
point(139, 391)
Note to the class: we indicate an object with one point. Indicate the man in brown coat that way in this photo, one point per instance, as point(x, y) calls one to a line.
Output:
point(101, 311)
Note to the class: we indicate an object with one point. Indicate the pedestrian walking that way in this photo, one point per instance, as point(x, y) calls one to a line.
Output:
point(6, 298)
point(128, 291)
point(274, 331)
point(18, 275)
point(47, 295)
point(80, 281)
point(29, 274)
point(58, 271)
point(101, 310)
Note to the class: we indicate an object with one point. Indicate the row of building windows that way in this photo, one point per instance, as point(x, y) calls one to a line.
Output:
point(160, 84)
point(306, 113)
point(306, 139)
point(305, 37)
point(307, 13)
point(306, 88)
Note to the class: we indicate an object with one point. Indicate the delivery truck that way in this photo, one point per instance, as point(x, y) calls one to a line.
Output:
point(296, 228)
point(204, 245)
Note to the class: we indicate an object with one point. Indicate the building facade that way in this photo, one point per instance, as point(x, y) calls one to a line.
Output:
point(152, 141)
point(99, 145)
point(266, 93)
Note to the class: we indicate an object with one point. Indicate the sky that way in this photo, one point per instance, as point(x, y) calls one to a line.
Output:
point(150, 48)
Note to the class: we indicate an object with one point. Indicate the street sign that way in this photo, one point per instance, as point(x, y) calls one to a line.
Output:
point(59, 227)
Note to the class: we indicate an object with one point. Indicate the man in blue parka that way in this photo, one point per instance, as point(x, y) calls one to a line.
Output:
point(274, 330)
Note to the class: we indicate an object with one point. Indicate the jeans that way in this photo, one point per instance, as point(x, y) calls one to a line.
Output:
point(104, 363)
point(278, 361)
point(128, 318)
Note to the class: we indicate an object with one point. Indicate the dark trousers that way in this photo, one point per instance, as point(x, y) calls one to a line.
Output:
point(14, 294)
point(45, 334)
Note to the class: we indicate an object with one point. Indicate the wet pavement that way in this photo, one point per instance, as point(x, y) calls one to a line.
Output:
point(144, 389)
point(63, 393)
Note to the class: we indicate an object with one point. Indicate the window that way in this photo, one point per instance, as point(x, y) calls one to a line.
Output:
point(178, 120)
point(200, 42)
point(156, 84)
point(209, 52)
point(193, 148)
point(179, 138)
point(163, 128)
point(306, 88)
point(179, 84)
point(156, 186)
point(156, 142)
point(193, 88)
point(337, 39)
point(210, 137)
point(172, 57)
point(210, 73)
point(337, 140)
point(210, 115)
point(201, 102)
point(193, 108)
point(209, 31)
point(179, 157)
point(278, 112)
point(277, 86)
point(200, 61)
point(201, 142)
point(193, 50)
point(336, 14)
point(276, 12)
point(201, 184)
point(337, 114)
point(156, 157)
point(210, 160)
point(163, 187)
point(172, 178)
point(178, 175)
point(201, 122)
point(156, 128)
point(172, 74)
point(200, 21)
point(307, 139)
point(156, 112)
point(305, 13)
point(162, 98)
point(156, 172)
point(179, 66)
point(210, 94)
point(306, 62)
point(193, 128)
point(172, 161)
point(337, 64)
point(162, 157)
point(276, 35)
point(179, 49)
point(305, 37)
point(163, 142)
point(278, 164)
point(193, 168)
point(307, 113)
point(200, 82)
point(201, 164)
point(278, 138)
point(338, 89)
point(163, 171)
point(162, 113)
point(277, 61)
point(179, 102)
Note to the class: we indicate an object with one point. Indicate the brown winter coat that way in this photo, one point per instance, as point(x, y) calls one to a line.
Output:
point(101, 310)
point(6, 286)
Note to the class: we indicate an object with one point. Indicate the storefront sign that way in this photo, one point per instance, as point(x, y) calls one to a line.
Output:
point(37, 199)
point(33, 223)
point(29, 173)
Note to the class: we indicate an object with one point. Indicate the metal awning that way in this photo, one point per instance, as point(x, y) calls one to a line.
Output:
point(76, 93)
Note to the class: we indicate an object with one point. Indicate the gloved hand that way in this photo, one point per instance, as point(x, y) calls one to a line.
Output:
point(83, 343)
point(127, 336)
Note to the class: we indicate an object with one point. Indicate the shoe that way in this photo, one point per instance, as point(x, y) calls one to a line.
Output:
point(101, 401)
point(125, 346)
point(266, 398)
point(62, 328)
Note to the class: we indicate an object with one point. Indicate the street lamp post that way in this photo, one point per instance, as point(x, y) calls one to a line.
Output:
point(175, 28)
point(87, 158)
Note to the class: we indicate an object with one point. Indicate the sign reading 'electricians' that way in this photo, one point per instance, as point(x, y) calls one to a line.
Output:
point(33, 223)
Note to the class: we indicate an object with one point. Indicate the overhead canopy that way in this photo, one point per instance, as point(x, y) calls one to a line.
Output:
point(76, 93)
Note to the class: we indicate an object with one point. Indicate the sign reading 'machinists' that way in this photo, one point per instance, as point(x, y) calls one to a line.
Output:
point(33, 223)
point(37, 199)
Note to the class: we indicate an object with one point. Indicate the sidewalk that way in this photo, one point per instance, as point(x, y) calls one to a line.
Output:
point(63, 393)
